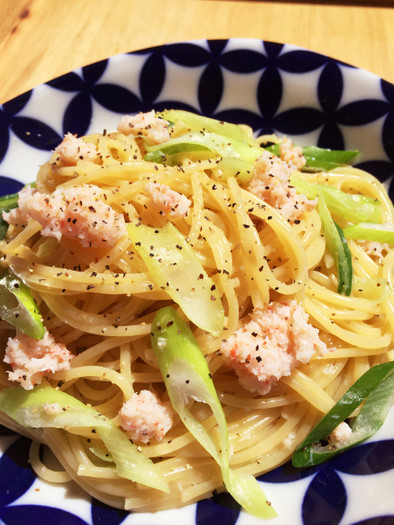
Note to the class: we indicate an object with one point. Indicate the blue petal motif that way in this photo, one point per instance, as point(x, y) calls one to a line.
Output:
point(243, 61)
point(388, 135)
point(153, 68)
point(8, 186)
point(325, 500)
point(104, 515)
point(240, 115)
point(299, 120)
point(35, 133)
point(330, 87)
point(369, 458)
point(217, 46)
point(222, 509)
point(331, 137)
point(7, 114)
point(69, 82)
point(362, 112)
point(94, 72)
point(15, 106)
point(4, 135)
point(287, 474)
point(301, 61)
point(269, 95)
point(210, 89)
point(273, 50)
point(78, 114)
point(378, 520)
point(189, 55)
point(116, 98)
point(16, 476)
point(38, 515)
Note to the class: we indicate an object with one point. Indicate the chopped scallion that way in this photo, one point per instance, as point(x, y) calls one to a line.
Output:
point(186, 375)
point(376, 386)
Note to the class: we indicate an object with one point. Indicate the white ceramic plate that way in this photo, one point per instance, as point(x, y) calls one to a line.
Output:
point(275, 88)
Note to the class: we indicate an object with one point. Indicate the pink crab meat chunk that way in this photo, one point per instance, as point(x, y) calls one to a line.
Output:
point(146, 417)
point(167, 201)
point(147, 125)
point(271, 182)
point(270, 345)
point(291, 154)
point(32, 359)
point(341, 434)
point(78, 212)
point(72, 149)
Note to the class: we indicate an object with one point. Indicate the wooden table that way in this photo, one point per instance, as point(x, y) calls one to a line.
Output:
point(42, 39)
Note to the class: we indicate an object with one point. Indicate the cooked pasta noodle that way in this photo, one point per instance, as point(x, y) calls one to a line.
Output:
point(100, 302)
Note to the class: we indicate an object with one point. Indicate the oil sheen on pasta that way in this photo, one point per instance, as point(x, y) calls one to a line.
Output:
point(98, 299)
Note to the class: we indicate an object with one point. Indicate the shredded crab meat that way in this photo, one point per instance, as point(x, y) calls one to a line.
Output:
point(375, 248)
point(341, 434)
point(291, 154)
point(271, 182)
point(146, 417)
point(16, 216)
point(145, 125)
point(79, 213)
point(72, 149)
point(32, 359)
point(167, 201)
point(270, 345)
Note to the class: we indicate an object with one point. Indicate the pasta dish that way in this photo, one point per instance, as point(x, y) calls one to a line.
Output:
point(182, 302)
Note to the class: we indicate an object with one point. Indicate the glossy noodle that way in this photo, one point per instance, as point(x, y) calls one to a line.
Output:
point(100, 302)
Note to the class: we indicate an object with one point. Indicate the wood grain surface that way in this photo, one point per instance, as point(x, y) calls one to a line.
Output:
point(42, 39)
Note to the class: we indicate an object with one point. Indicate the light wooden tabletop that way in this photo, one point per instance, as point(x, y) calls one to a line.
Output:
point(42, 39)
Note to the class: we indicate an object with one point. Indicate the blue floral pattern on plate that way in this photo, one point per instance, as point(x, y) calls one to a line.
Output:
point(272, 87)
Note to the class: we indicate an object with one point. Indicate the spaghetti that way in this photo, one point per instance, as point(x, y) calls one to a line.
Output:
point(99, 301)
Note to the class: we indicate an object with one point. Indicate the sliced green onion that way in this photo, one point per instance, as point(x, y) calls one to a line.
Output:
point(345, 267)
point(196, 122)
point(18, 307)
point(327, 159)
point(321, 159)
point(371, 232)
point(351, 207)
point(7, 203)
point(309, 189)
point(170, 151)
point(27, 408)
point(377, 387)
point(174, 266)
point(337, 246)
point(209, 145)
point(186, 376)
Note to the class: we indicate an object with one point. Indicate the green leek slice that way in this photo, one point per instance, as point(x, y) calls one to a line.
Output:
point(351, 207)
point(7, 203)
point(377, 387)
point(337, 246)
point(195, 122)
point(27, 409)
point(174, 266)
point(371, 232)
point(208, 145)
point(186, 376)
point(18, 307)
point(321, 159)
